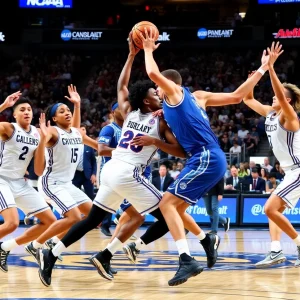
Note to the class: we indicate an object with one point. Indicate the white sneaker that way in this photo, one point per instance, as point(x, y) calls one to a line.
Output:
point(272, 258)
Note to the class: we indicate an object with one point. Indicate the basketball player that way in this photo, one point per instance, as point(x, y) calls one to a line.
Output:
point(63, 145)
point(185, 114)
point(121, 177)
point(282, 129)
point(19, 143)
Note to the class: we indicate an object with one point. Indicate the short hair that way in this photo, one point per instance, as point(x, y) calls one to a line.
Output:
point(83, 125)
point(22, 101)
point(138, 92)
point(272, 174)
point(254, 170)
point(173, 75)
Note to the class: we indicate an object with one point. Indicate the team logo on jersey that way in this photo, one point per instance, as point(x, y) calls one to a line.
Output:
point(154, 261)
point(36, 135)
point(183, 185)
point(152, 122)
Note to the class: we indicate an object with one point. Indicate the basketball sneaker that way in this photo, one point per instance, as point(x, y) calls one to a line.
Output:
point(113, 271)
point(3, 259)
point(131, 252)
point(31, 250)
point(46, 261)
point(272, 258)
point(227, 224)
point(297, 263)
point(211, 244)
point(102, 265)
point(50, 245)
point(187, 268)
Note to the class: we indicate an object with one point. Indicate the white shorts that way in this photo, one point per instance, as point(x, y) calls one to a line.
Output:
point(62, 196)
point(18, 193)
point(119, 181)
point(289, 189)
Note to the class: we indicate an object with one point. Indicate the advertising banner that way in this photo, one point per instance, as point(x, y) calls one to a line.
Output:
point(253, 211)
point(45, 3)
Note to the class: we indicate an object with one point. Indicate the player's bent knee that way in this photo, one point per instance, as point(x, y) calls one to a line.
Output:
point(11, 226)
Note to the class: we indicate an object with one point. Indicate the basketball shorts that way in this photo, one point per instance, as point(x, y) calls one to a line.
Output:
point(289, 189)
point(119, 181)
point(61, 195)
point(18, 193)
point(201, 172)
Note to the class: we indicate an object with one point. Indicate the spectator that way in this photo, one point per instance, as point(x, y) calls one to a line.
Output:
point(225, 143)
point(272, 183)
point(242, 133)
point(174, 172)
point(258, 184)
point(267, 165)
point(264, 174)
point(164, 180)
point(232, 183)
point(243, 172)
point(250, 145)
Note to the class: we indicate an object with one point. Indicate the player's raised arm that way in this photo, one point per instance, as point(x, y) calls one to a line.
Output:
point(45, 132)
point(122, 87)
point(219, 99)
point(287, 109)
point(76, 100)
point(170, 88)
point(259, 108)
point(9, 102)
point(171, 147)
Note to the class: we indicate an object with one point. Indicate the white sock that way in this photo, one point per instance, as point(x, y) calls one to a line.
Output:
point(58, 249)
point(297, 240)
point(276, 246)
point(9, 245)
point(114, 246)
point(139, 244)
point(36, 245)
point(183, 247)
point(55, 240)
point(201, 236)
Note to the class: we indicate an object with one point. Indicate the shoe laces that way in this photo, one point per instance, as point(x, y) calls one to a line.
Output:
point(3, 257)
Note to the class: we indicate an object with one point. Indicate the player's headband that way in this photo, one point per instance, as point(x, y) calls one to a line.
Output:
point(115, 106)
point(54, 109)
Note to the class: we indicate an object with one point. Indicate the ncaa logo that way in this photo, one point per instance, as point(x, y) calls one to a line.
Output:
point(202, 33)
point(152, 121)
point(66, 35)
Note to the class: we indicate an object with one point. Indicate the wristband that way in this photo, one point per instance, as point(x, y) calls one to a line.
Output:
point(261, 71)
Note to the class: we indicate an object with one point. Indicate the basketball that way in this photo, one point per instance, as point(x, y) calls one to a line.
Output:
point(140, 28)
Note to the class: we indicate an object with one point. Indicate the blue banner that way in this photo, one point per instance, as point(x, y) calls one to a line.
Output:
point(253, 212)
point(227, 208)
point(277, 1)
point(46, 3)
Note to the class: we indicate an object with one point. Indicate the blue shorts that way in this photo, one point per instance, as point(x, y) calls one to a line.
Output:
point(125, 205)
point(201, 172)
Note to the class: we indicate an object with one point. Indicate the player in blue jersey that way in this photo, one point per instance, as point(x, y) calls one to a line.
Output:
point(108, 140)
point(185, 114)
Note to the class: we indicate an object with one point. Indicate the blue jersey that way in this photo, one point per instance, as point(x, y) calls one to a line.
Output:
point(110, 136)
point(190, 124)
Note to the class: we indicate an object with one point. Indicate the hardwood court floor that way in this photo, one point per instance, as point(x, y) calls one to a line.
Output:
point(233, 278)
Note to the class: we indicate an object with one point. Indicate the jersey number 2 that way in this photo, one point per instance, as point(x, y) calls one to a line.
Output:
point(128, 136)
point(74, 156)
point(25, 151)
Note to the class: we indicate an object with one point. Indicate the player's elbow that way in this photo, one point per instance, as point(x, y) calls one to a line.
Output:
point(236, 98)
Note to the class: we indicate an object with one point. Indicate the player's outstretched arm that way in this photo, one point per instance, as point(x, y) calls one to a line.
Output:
point(89, 141)
point(288, 111)
point(45, 132)
point(219, 99)
point(171, 147)
point(76, 100)
point(259, 108)
point(122, 87)
point(171, 89)
point(105, 136)
point(10, 101)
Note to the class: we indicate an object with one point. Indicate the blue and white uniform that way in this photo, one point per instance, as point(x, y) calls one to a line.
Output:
point(286, 148)
point(207, 163)
point(61, 162)
point(122, 176)
point(15, 156)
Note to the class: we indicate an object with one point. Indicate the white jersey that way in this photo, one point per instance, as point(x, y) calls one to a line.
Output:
point(63, 157)
point(137, 124)
point(285, 144)
point(17, 152)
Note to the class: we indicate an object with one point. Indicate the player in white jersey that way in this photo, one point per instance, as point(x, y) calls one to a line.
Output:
point(63, 146)
point(121, 177)
point(283, 131)
point(19, 143)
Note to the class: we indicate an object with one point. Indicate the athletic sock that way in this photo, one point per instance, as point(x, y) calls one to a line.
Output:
point(183, 247)
point(201, 236)
point(297, 240)
point(114, 246)
point(58, 249)
point(139, 244)
point(9, 245)
point(36, 245)
point(275, 246)
point(55, 240)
